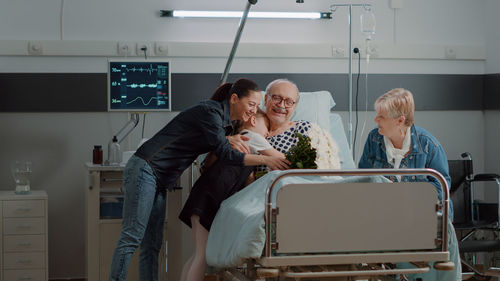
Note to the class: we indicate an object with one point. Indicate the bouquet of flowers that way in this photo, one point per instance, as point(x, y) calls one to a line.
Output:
point(317, 150)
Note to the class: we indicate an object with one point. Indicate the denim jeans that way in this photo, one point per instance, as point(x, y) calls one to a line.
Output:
point(143, 219)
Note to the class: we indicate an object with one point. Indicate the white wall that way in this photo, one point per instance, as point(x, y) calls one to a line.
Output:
point(492, 21)
point(59, 143)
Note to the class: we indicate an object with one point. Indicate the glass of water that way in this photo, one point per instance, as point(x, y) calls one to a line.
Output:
point(21, 171)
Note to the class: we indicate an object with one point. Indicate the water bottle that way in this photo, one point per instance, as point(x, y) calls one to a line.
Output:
point(114, 155)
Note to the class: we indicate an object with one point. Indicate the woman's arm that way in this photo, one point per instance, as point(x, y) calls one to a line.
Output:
point(271, 152)
point(210, 123)
point(367, 153)
point(273, 162)
point(439, 162)
point(238, 142)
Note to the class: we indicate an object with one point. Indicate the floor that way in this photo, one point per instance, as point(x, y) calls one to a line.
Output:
point(207, 278)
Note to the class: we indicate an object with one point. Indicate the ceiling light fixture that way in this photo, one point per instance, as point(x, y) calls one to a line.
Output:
point(236, 14)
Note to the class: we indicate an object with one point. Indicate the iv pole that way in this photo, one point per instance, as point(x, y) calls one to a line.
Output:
point(333, 8)
point(237, 40)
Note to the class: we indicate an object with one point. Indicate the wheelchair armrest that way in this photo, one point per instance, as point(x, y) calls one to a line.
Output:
point(486, 177)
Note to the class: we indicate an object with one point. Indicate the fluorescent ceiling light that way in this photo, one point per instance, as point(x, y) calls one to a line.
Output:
point(236, 14)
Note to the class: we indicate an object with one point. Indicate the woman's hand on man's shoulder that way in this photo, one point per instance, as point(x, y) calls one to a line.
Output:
point(238, 142)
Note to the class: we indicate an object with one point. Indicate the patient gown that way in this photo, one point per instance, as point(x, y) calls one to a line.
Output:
point(219, 182)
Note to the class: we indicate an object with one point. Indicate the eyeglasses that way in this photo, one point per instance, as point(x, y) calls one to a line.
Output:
point(277, 100)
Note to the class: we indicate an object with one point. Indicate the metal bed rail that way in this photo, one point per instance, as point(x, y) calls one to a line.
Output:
point(356, 172)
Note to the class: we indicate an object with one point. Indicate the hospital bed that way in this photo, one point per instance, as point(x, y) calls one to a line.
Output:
point(314, 225)
point(331, 224)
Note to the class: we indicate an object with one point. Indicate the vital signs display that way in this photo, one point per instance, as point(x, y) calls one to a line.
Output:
point(139, 85)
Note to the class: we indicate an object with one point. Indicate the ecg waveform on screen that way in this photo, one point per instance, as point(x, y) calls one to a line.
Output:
point(160, 70)
point(133, 85)
point(139, 85)
point(142, 100)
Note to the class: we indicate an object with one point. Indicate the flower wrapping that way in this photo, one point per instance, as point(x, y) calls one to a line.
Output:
point(317, 150)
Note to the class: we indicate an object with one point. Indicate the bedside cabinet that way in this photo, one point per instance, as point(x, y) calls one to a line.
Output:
point(23, 236)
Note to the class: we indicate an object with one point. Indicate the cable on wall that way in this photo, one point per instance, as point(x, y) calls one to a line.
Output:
point(394, 28)
point(356, 51)
point(366, 87)
point(143, 124)
point(366, 103)
point(61, 21)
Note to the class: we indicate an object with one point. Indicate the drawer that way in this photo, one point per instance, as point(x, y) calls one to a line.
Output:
point(24, 243)
point(24, 260)
point(25, 275)
point(23, 208)
point(14, 226)
point(111, 179)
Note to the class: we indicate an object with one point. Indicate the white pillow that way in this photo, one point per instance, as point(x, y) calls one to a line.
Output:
point(313, 107)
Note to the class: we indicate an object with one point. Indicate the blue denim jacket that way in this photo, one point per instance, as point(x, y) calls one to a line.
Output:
point(426, 152)
point(198, 129)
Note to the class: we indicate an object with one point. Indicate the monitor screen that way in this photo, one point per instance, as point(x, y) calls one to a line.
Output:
point(139, 85)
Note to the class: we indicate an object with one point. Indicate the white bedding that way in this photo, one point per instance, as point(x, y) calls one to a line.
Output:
point(237, 232)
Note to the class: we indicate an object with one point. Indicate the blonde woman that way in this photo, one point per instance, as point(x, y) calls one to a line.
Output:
point(398, 143)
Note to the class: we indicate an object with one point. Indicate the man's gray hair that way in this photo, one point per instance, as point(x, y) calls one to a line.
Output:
point(279, 81)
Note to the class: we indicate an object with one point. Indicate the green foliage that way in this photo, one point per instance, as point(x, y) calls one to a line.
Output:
point(302, 155)
point(260, 174)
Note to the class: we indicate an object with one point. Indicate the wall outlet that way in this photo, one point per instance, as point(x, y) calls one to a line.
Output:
point(396, 4)
point(124, 48)
point(450, 53)
point(373, 51)
point(35, 48)
point(139, 48)
point(338, 52)
point(161, 49)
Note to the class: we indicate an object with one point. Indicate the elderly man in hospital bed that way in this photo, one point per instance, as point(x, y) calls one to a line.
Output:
point(243, 230)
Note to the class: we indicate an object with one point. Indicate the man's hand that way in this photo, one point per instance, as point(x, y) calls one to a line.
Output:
point(237, 142)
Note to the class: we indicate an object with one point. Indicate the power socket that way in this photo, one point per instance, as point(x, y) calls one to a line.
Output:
point(161, 49)
point(140, 45)
point(124, 48)
point(396, 4)
point(450, 53)
point(373, 51)
point(35, 48)
point(338, 52)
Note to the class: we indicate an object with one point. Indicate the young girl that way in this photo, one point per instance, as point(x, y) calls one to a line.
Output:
point(217, 183)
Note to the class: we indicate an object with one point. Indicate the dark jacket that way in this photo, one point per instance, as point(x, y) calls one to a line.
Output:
point(196, 130)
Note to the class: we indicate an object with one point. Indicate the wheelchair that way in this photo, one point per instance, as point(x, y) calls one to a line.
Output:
point(477, 223)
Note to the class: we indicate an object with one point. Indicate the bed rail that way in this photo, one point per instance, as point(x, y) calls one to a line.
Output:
point(358, 172)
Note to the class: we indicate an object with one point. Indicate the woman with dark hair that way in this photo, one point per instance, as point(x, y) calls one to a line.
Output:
point(158, 163)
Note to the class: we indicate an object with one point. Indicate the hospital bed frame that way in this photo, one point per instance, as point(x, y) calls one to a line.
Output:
point(308, 250)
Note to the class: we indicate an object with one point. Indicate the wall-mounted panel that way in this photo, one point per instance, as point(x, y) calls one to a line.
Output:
point(86, 92)
point(492, 91)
